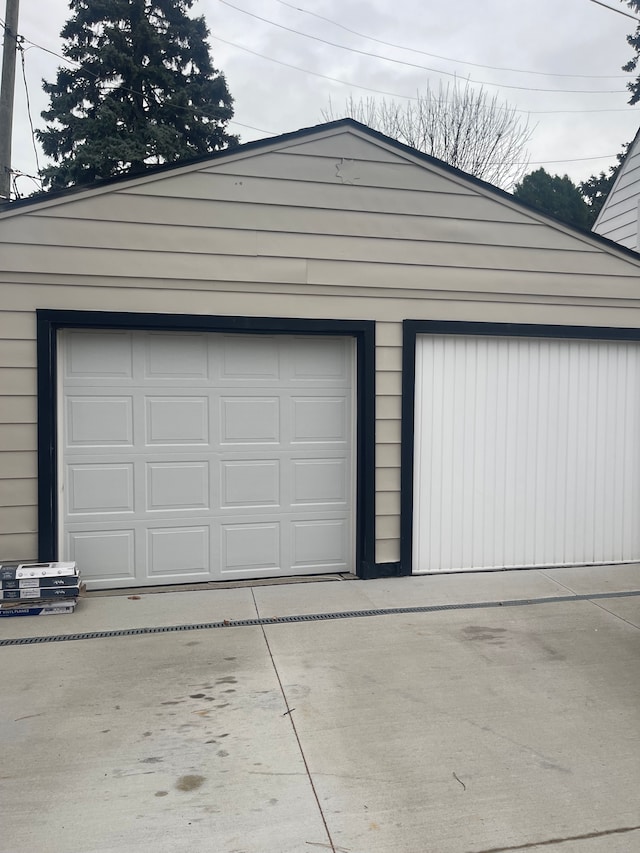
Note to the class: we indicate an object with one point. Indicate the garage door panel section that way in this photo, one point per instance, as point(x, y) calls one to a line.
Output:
point(526, 452)
point(205, 456)
point(99, 421)
point(105, 553)
point(99, 488)
point(177, 487)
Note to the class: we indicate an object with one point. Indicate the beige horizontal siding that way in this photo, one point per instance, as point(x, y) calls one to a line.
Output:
point(387, 550)
point(388, 432)
point(388, 407)
point(332, 170)
point(325, 196)
point(17, 381)
point(18, 437)
point(388, 503)
point(17, 353)
point(18, 546)
point(388, 358)
point(343, 145)
point(389, 334)
point(18, 465)
point(388, 455)
point(280, 235)
point(18, 519)
point(387, 479)
point(170, 244)
point(18, 493)
point(18, 410)
point(178, 213)
point(122, 263)
point(388, 526)
point(16, 325)
point(388, 382)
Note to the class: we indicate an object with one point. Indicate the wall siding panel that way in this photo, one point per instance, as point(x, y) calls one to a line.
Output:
point(19, 546)
point(618, 218)
point(18, 492)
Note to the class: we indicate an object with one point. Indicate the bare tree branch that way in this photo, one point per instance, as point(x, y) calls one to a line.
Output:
point(459, 124)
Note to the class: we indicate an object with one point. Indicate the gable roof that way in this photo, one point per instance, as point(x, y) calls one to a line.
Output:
point(286, 140)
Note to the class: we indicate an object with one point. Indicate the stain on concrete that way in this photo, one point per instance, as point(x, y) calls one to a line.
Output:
point(484, 634)
point(144, 734)
point(551, 653)
point(160, 793)
point(193, 643)
point(196, 695)
point(190, 782)
point(171, 702)
point(227, 679)
point(230, 690)
point(551, 765)
point(153, 759)
point(222, 753)
point(230, 658)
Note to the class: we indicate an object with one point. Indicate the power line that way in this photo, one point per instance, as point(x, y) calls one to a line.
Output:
point(619, 11)
point(314, 74)
point(306, 71)
point(570, 160)
point(394, 94)
point(449, 58)
point(26, 90)
point(415, 65)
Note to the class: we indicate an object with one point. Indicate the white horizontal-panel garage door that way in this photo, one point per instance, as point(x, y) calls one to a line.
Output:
point(194, 457)
point(527, 453)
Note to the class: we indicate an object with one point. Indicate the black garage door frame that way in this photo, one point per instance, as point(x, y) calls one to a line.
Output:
point(411, 329)
point(50, 322)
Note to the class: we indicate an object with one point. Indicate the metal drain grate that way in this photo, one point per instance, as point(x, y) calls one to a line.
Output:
point(310, 617)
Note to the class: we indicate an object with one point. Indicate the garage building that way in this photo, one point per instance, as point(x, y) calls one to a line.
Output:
point(319, 353)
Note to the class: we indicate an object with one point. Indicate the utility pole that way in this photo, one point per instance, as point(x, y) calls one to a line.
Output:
point(7, 89)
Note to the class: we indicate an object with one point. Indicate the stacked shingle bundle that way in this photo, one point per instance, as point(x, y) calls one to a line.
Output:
point(38, 589)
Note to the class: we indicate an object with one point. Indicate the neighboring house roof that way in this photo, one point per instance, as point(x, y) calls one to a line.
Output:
point(286, 141)
point(618, 217)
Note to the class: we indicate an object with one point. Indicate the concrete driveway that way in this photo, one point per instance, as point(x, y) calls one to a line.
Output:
point(459, 730)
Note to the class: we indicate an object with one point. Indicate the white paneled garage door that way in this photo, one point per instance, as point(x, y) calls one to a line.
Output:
point(193, 457)
point(527, 453)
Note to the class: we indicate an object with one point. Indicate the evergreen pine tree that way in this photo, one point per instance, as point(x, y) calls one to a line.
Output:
point(634, 41)
point(144, 91)
point(553, 194)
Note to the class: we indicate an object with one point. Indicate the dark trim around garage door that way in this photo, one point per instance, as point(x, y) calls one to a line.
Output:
point(50, 321)
point(413, 328)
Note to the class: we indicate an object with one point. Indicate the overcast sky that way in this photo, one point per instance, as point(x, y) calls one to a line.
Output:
point(576, 132)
